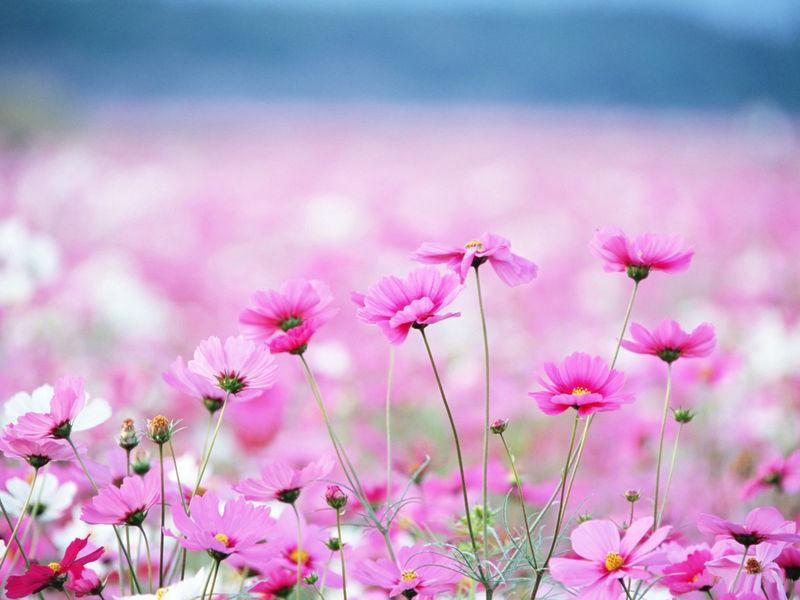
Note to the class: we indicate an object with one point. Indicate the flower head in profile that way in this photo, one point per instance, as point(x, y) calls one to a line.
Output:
point(669, 342)
point(54, 575)
point(124, 505)
point(604, 558)
point(287, 318)
point(396, 305)
point(36, 452)
point(764, 524)
point(420, 572)
point(182, 379)
point(241, 528)
point(239, 367)
point(511, 268)
point(778, 473)
point(281, 482)
point(640, 255)
point(581, 382)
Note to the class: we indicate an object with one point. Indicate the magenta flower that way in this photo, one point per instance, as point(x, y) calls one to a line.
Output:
point(690, 575)
point(646, 252)
point(760, 572)
point(124, 505)
point(37, 452)
point(420, 572)
point(281, 482)
point(279, 582)
point(778, 473)
point(669, 342)
point(68, 400)
point(789, 561)
point(287, 319)
point(240, 367)
point(56, 574)
point(583, 383)
point(604, 559)
point(512, 269)
point(765, 524)
point(240, 529)
point(396, 305)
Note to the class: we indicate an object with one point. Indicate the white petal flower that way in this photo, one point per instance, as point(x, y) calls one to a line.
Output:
point(50, 497)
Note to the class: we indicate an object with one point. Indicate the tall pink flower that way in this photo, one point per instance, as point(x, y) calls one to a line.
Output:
point(764, 524)
point(281, 482)
point(68, 400)
point(420, 572)
point(581, 382)
point(640, 255)
point(396, 305)
point(511, 268)
point(240, 367)
point(286, 319)
point(37, 452)
point(604, 559)
point(669, 342)
point(241, 529)
point(182, 379)
point(124, 505)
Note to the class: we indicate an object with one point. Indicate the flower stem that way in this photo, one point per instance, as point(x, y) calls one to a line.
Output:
point(21, 516)
point(483, 578)
point(661, 446)
point(388, 436)
point(341, 553)
point(739, 572)
point(625, 323)
point(66, 593)
point(127, 531)
point(211, 445)
point(163, 518)
point(178, 478)
point(149, 562)
point(213, 581)
point(633, 504)
point(485, 490)
point(521, 499)
point(299, 550)
point(14, 537)
point(671, 471)
point(208, 579)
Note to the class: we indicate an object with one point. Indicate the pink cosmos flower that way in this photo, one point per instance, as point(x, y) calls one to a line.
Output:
point(182, 379)
point(37, 452)
point(669, 342)
point(604, 559)
point(88, 584)
point(239, 367)
point(779, 472)
point(512, 269)
point(279, 582)
point(396, 305)
point(420, 572)
point(646, 252)
point(690, 574)
point(764, 524)
point(287, 319)
point(68, 400)
point(581, 382)
point(55, 574)
point(789, 561)
point(126, 504)
point(312, 556)
point(241, 529)
point(760, 571)
point(281, 482)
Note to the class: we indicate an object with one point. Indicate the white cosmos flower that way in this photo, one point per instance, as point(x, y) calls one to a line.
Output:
point(53, 498)
point(95, 411)
point(188, 589)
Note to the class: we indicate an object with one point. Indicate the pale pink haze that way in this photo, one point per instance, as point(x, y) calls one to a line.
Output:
point(604, 558)
point(778, 473)
point(250, 365)
point(35, 451)
point(510, 268)
point(299, 304)
point(127, 503)
point(656, 251)
point(241, 528)
point(278, 478)
point(669, 342)
point(764, 524)
point(395, 304)
point(68, 401)
point(419, 568)
point(582, 382)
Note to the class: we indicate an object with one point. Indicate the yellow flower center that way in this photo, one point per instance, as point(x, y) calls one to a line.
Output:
point(221, 537)
point(580, 391)
point(299, 557)
point(408, 575)
point(55, 567)
point(694, 579)
point(614, 561)
point(473, 244)
point(752, 566)
point(161, 592)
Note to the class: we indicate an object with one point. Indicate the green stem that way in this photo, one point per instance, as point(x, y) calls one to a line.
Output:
point(21, 516)
point(389, 436)
point(485, 490)
point(671, 471)
point(66, 593)
point(521, 499)
point(625, 323)
point(178, 478)
point(211, 445)
point(624, 587)
point(341, 553)
point(739, 572)
point(631, 519)
point(149, 562)
point(163, 518)
point(483, 578)
point(208, 579)
point(14, 537)
point(299, 550)
point(127, 531)
point(661, 446)
point(213, 581)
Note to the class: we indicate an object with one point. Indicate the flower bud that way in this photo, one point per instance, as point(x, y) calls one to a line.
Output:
point(128, 438)
point(335, 497)
point(311, 579)
point(683, 415)
point(141, 462)
point(499, 426)
point(584, 517)
point(632, 495)
point(159, 429)
point(334, 544)
point(213, 404)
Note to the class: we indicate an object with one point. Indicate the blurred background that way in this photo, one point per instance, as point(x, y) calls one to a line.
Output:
point(162, 160)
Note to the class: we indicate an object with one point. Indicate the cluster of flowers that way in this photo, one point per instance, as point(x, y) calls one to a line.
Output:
point(257, 529)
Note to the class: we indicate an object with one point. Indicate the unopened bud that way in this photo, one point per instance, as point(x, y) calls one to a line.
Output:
point(311, 579)
point(632, 495)
point(499, 426)
point(128, 438)
point(334, 544)
point(335, 497)
point(683, 415)
point(140, 463)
